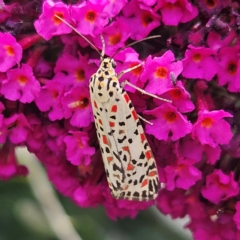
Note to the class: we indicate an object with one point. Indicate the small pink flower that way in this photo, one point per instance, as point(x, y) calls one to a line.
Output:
point(77, 106)
point(48, 25)
point(77, 149)
point(229, 67)
point(140, 21)
point(199, 63)
point(77, 69)
point(183, 174)
point(9, 167)
point(21, 85)
point(168, 123)
point(90, 17)
point(10, 51)
point(180, 98)
point(157, 72)
point(177, 11)
point(19, 128)
point(115, 36)
point(50, 98)
point(172, 202)
point(211, 129)
point(219, 186)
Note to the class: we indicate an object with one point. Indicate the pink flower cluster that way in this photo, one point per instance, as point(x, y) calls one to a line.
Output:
point(45, 103)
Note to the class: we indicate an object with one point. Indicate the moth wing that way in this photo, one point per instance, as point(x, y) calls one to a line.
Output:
point(128, 160)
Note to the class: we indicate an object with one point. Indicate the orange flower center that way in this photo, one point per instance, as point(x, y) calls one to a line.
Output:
point(115, 39)
point(161, 72)
point(80, 75)
point(176, 93)
point(197, 57)
point(207, 122)
point(55, 19)
point(211, 3)
point(232, 68)
point(90, 16)
point(55, 95)
point(22, 79)
point(170, 117)
point(147, 18)
point(80, 144)
point(9, 50)
point(137, 71)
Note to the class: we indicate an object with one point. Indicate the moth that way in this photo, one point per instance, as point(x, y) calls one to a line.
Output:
point(128, 160)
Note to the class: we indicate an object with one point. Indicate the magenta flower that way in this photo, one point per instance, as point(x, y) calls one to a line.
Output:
point(77, 68)
point(157, 72)
point(115, 35)
point(114, 7)
point(50, 98)
point(8, 163)
point(20, 85)
point(199, 63)
point(10, 52)
point(168, 123)
point(77, 106)
point(219, 186)
point(193, 149)
point(19, 128)
point(183, 174)
point(229, 67)
point(175, 12)
point(54, 25)
point(180, 98)
point(211, 129)
point(90, 17)
point(140, 21)
point(172, 202)
point(77, 149)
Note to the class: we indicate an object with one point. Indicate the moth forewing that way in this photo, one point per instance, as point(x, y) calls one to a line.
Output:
point(129, 164)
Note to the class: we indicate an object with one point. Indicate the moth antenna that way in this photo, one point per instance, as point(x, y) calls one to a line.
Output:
point(133, 43)
point(76, 31)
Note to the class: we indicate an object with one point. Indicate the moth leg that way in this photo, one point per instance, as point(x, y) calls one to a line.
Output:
point(143, 91)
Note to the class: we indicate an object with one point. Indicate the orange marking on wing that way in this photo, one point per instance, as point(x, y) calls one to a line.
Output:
point(148, 154)
point(109, 159)
point(112, 124)
point(95, 105)
point(127, 99)
point(152, 173)
point(134, 114)
point(100, 121)
point(126, 148)
point(105, 140)
point(130, 167)
point(143, 137)
point(114, 108)
point(144, 183)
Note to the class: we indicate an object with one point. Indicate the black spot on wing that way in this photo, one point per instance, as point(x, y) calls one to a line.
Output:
point(142, 155)
point(122, 140)
point(121, 123)
point(101, 79)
